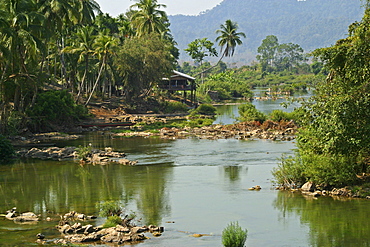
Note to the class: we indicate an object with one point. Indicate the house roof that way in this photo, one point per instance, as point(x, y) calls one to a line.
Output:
point(177, 73)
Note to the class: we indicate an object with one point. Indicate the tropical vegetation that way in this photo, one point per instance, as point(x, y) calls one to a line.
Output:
point(6, 149)
point(333, 144)
point(54, 45)
point(283, 68)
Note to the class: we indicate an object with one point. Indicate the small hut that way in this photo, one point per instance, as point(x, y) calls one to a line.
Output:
point(180, 82)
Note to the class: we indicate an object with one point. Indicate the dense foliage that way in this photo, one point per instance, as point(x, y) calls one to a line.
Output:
point(70, 44)
point(6, 149)
point(174, 107)
point(333, 145)
point(226, 85)
point(54, 107)
point(282, 67)
point(204, 109)
point(274, 56)
point(141, 62)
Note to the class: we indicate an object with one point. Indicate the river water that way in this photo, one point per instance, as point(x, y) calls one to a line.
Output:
point(188, 186)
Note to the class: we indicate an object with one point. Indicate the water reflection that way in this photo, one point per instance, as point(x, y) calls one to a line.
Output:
point(226, 114)
point(233, 172)
point(332, 222)
point(49, 187)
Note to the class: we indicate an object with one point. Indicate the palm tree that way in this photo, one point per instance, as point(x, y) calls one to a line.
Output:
point(87, 10)
point(82, 44)
point(148, 18)
point(229, 38)
point(125, 28)
point(104, 46)
point(58, 14)
point(25, 46)
point(4, 67)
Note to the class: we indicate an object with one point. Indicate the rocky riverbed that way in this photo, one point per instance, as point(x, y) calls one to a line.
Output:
point(84, 155)
point(248, 130)
point(78, 228)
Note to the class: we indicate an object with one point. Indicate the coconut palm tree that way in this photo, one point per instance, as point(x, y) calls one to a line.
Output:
point(82, 44)
point(23, 40)
point(229, 38)
point(149, 18)
point(4, 67)
point(87, 10)
point(104, 46)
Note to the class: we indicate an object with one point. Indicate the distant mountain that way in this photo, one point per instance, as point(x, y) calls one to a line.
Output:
point(310, 23)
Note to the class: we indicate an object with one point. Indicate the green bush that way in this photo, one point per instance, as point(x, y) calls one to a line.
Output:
point(112, 221)
point(16, 122)
point(234, 236)
point(289, 173)
point(248, 112)
point(83, 152)
point(323, 170)
point(204, 109)
point(200, 122)
point(54, 107)
point(279, 115)
point(109, 208)
point(6, 149)
point(173, 107)
point(227, 85)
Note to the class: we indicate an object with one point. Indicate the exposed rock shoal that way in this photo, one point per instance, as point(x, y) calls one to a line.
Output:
point(249, 130)
point(94, 156)
point(76, 232)
point(310, 190)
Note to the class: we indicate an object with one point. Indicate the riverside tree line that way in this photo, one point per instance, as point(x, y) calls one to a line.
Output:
point(72, 45)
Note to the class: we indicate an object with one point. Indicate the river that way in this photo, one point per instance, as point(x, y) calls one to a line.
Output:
point(188, 186)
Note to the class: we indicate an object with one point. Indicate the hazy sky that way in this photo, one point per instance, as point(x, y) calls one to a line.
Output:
point(174, 7)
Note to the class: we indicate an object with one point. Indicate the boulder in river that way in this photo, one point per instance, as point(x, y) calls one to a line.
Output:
point(308, 187)
point(27, 217)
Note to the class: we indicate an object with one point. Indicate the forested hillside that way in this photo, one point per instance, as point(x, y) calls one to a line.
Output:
point(310, 23)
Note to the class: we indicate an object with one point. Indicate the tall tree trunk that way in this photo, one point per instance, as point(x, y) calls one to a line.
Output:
point(97, 80)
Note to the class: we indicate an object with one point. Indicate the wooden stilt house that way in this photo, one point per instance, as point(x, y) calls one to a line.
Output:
point(180, 82)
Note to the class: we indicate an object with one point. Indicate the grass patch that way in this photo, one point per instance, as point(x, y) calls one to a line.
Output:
point(234, 236)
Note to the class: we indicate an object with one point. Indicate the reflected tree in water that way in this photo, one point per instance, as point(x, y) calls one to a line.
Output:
point(59, 187)
point(233, 172)
point(332, 222)
point(153, 200)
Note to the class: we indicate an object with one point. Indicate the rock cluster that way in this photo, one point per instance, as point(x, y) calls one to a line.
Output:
point(95, 156)
point(120, 234)
point(27, 217)
point(53, 153)
point(41, 138)
point(311, 190)
point(238, 131)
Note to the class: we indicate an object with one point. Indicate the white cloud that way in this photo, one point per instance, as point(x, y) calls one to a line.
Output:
point(174, 7)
